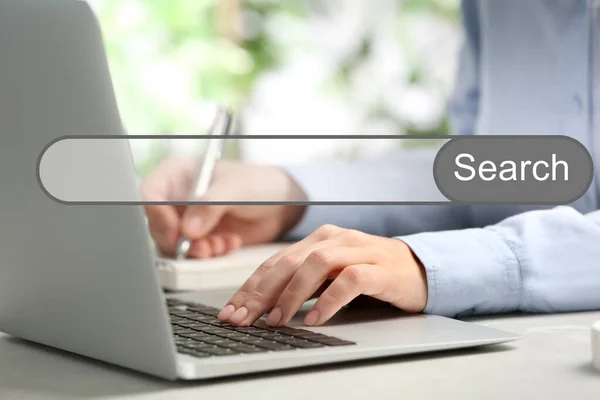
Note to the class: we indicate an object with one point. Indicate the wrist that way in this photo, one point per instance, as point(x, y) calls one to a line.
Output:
point(422, 280)
point(418, 289)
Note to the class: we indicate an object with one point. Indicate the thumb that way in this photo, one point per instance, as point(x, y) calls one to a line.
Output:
point(200, 221)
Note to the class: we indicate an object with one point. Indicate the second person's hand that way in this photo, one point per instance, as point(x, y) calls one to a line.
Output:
point(336, 265)
point(217, 230)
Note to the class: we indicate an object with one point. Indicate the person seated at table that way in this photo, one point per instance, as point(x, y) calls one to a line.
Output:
point(525, 68)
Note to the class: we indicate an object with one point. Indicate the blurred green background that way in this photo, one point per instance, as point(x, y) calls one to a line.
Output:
point(288, 67)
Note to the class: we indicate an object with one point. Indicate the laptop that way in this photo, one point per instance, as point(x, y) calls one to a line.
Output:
point(82, 278)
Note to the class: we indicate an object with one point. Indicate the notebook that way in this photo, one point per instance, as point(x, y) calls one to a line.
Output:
point(217, 273)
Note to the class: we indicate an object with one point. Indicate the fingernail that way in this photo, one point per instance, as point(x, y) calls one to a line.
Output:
point(275, 317)
point(226, 313)
point(312, 318)
point(193, 224)
point(239, 316)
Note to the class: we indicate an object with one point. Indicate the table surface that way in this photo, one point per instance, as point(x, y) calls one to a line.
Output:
point(552, 361)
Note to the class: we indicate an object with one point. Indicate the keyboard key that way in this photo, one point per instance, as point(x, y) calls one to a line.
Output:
point(180, 329)
point(329, 341)
point(260, 324)
point(289, 331)
point(205, 319)
point(311, 335)
point(338, 342)
point(236, 335)
point(184, 343)
point(253, 341)
point(200, 346)
point(277, 337)
point(199, 307)
point(218, 341)
point(191, 352)
point(198, 326)
point(210, 349)
point(222, 324)
point(212, 311)
point(263, 334)
point(305, 344)
point(288, 340)
point(184, 350)
point(184, 322)
point(274, 346)
point(195, 336)
point(219, 351)
point(214, 330)
point(200, 354)
point(249, 330)
point(185, 314)
point(246, 349)
point(307, 335)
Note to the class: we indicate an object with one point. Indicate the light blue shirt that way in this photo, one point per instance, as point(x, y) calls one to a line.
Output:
point(527, 67)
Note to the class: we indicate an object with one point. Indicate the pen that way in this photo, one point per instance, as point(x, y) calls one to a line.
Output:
point(221, 127)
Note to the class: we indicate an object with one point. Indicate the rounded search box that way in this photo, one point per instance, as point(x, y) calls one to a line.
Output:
point(397, 170)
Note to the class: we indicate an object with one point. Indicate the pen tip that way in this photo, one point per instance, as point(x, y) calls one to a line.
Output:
point(182, 249)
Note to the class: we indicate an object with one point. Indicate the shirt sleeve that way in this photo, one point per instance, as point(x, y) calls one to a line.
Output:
point(465, 100)
point(401, 176)
point(543, 261)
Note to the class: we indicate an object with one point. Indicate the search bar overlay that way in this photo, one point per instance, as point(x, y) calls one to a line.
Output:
point(389, 170)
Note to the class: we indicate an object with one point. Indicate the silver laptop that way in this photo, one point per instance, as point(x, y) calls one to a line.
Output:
point(82, 278)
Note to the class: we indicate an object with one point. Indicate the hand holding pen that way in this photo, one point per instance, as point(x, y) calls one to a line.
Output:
point(202, 231)
point(221, 128)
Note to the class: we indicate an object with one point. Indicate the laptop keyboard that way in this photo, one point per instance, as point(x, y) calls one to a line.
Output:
point(199, 333)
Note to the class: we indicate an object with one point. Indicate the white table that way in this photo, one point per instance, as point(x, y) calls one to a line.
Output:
point(552, 361)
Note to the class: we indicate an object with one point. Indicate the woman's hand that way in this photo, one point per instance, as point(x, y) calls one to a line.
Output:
point(218, 230)
point(353, 263)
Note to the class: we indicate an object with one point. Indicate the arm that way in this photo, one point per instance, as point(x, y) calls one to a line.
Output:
point(402, 176)
point(542, 261)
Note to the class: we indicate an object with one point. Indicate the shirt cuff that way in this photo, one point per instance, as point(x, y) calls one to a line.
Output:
point(469, 272)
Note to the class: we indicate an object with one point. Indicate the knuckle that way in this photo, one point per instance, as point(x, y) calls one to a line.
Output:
point(327, 299)
point(327, 230)
point(238, 299)
point(291, 260)
point(319, 258)
point(354, 275)
point(256, 297)
point(292, 291)
point(265, 267)
point(353, 236)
